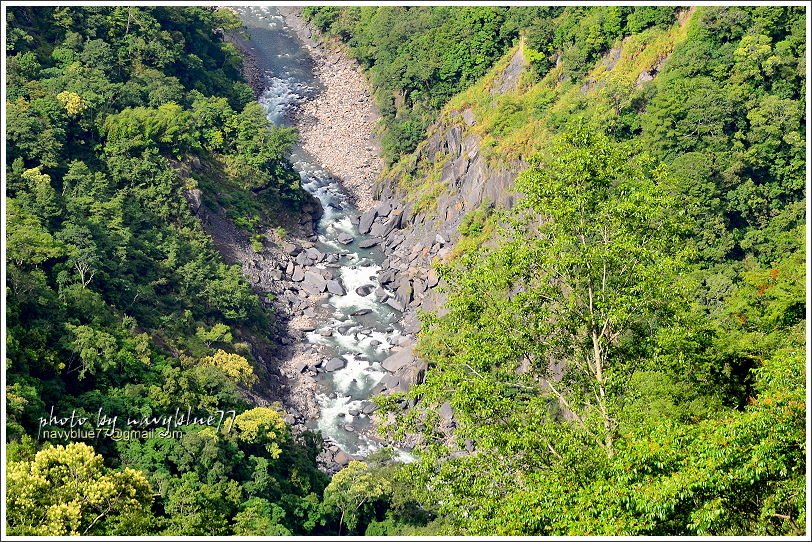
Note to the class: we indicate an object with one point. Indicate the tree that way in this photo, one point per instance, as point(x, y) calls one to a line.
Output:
point(66, 490)
point(258, 517)
point(217, 333)
point(234, 366)
point(351, 490)
point(599, 267)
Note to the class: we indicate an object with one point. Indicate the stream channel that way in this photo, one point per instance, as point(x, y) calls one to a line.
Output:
point(355, 327)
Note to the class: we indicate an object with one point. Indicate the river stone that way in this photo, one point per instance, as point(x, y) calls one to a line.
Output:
point(381, 294)
point(398, 360)
point(384, 208)
point(390, 381)
point(369, 407)
point(365, 222)
point(335, 288)
point(388, 276)
point(341, 458)
point(334, 364)
point(395, 304)
point(314, 283)
point(404, 292)
point(302, 259)
point(354, 411)
point(382, 229)
point(369, 242)
point(344, 238)
point(300, 366)
point(307, 325)
point(314, 254)
point(364, 290)
point(291, 249)
point(360, 312)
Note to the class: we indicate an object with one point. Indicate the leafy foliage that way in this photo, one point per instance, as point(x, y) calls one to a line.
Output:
point(118, 302)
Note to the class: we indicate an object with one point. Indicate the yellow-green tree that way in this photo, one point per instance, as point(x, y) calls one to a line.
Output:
point(67, 490)
point(233, 365)
point(261, 425)
point(351, 490)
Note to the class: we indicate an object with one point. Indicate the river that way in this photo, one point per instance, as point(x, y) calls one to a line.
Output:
point(354, 327)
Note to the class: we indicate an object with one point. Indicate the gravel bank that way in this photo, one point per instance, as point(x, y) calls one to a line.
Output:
point(337, 128)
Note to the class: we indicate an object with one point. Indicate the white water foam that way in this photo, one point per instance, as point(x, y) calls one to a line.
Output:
point(353, 277)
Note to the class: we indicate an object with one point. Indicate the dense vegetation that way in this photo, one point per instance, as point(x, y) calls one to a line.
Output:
point(117, 299)
point(417, 58)
point(623, 353)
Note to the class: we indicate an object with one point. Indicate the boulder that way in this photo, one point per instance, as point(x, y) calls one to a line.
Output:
point(404, 292)
point(314, 254)
point(341, 458)
point(369, 242)
point(380, 294)
point(298, 274)
point(395, 304)
point(360, 312)
point(383, 208)
point(432, 279)
point(314, 283)
point(445, 411)
point(195, 199)
point(344, 238)
point(364, 290)
point(388, 276)
point(365, 222)
point(334, 364)
point(390, 381)
point(335, 288)
point(398, 360)
point(291, 249)
point(382, 229)
point(302, 259)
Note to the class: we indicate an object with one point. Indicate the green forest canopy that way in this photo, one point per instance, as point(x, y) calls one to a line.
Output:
point(655, 313)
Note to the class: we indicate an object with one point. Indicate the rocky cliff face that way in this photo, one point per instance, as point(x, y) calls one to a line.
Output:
point(415, 237)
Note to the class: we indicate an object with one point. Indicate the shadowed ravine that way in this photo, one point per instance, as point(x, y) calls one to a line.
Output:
point(355, 330)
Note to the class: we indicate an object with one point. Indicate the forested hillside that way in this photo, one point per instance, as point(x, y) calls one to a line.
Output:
point(620, 352)
point(117, 301)
point(623, 351)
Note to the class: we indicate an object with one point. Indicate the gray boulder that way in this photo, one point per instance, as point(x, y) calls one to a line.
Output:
point(398, 360)
point(365, 222)
point(404, 292)
point(334, 364)
point(364, 290)
point(341, 458)
point(344, 238)
point(369, 242)
point(335, 288)
point(314, 283)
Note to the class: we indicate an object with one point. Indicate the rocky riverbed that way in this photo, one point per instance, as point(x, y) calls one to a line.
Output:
point(337, 127)
point(346, 281)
